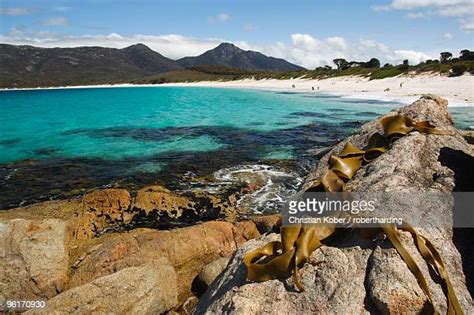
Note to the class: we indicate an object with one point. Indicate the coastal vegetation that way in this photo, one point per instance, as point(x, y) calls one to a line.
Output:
point(446, 65)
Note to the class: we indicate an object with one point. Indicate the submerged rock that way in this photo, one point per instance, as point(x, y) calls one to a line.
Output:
point(355, 274)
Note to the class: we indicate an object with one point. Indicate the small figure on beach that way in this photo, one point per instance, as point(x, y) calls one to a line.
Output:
point(401, 84)
point(318, 88)
point(293, 86)
point(312, 88)
point(387, 90)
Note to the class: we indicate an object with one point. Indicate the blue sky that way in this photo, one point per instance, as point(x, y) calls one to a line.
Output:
point(309, 33)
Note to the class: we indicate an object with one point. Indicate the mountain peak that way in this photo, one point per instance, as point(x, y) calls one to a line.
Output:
point(138, 46)
point(143, 57)
point(229, 55)
point(227, 49)
point(227, 46)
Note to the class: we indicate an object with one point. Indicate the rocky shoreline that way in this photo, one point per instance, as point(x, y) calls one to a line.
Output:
point(63, 251)
point(159, 251)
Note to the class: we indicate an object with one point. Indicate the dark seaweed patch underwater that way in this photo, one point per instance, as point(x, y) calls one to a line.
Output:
point(61, 143)
point(29, 181)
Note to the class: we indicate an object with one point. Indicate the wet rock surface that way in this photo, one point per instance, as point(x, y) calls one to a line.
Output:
point(359, 274)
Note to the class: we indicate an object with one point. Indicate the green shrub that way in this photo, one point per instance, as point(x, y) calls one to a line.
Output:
point(385, 73)
point(403, 67)
point(458, 70)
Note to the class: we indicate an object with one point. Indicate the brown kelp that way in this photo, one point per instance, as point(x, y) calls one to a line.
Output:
point(282, 259)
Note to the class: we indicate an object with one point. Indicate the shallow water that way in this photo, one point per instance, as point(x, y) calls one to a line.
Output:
point(58, 143)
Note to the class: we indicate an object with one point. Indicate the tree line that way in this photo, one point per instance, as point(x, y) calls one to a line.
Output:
point(446, 56)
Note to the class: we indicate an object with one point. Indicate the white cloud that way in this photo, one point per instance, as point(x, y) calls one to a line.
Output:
point(463, 10)
point(303, 49)
point(221, 17)
point(413, 4)
point(114, 36)
point(381, 8)
point(414, 57)
point(458, 10)
point(248, 27)
point(337, 42)
point(415, 15)
point(55, 21)
point(15, 11)
point(310, 52)
point(468, 24)
point(448, 36)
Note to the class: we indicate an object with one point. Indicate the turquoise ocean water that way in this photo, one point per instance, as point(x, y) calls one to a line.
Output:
point(52, 141)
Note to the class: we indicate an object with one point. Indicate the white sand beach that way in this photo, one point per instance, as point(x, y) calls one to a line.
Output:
point(405, 89)
point(459, 91)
